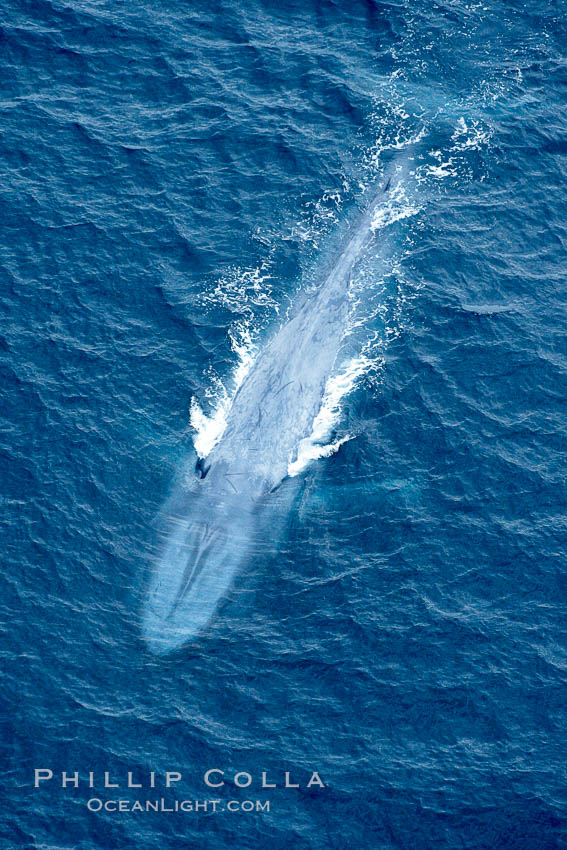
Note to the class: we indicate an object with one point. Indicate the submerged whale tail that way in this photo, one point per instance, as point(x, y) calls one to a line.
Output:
point(199, 560)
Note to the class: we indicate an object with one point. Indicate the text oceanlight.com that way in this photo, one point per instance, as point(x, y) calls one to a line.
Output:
point(188, 806)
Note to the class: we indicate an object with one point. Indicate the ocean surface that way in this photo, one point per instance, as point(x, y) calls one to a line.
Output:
point(174, 176)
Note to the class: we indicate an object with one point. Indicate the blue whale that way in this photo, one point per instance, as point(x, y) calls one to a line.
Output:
point(212, 526)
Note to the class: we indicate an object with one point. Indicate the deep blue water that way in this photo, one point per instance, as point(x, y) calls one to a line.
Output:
point(173, 175)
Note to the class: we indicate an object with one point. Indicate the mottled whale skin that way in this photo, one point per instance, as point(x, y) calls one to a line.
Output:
point(210, 531)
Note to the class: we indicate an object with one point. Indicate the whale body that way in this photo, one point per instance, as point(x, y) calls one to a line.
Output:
point(211, 527)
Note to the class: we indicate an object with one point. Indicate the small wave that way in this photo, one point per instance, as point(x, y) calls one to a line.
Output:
point(240, 290)
point(398, 208)
point(208, 429)
point(471, 136)
point(442, 169)
point(317, 444)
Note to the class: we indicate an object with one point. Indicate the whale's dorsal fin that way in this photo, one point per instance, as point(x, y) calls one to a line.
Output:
point(201, 468)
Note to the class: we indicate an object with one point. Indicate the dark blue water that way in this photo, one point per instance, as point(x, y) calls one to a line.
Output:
point(173, 176)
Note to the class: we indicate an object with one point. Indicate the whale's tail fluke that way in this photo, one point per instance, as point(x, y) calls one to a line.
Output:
point(200, 557)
